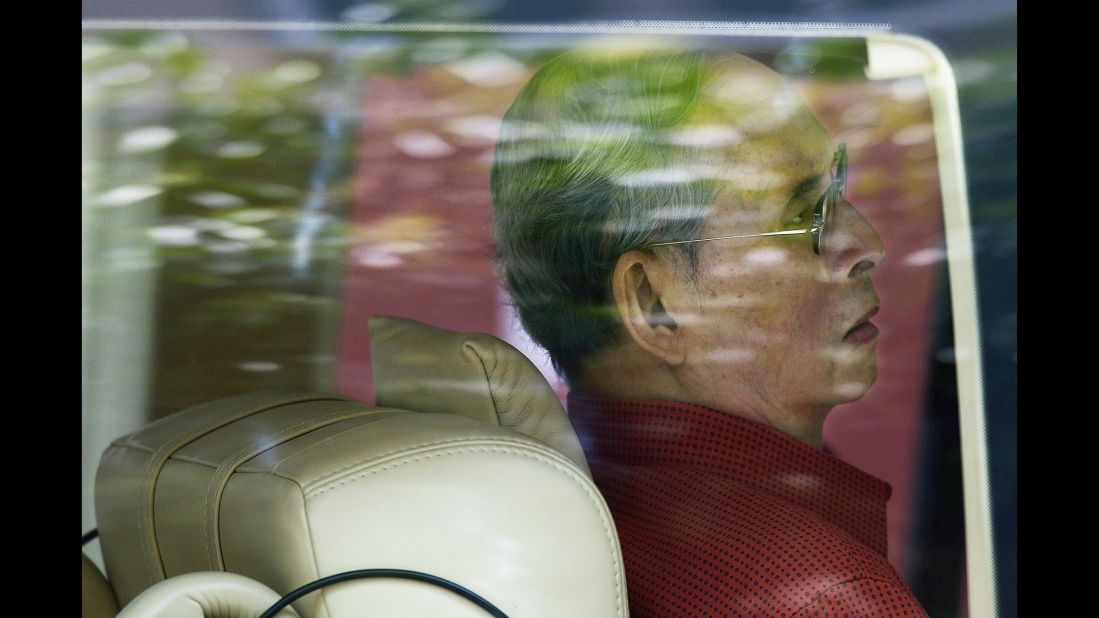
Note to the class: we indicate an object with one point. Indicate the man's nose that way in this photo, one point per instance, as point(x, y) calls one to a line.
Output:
point(855, 244)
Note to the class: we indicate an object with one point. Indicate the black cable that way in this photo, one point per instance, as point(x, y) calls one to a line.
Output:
point(397, 573)
point(89, 536)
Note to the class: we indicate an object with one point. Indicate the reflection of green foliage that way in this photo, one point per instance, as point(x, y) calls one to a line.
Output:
point(824, 58)
point(184, 62)
point(255, 310)
point(128, 39)
point(426, 11)
point(222, 286)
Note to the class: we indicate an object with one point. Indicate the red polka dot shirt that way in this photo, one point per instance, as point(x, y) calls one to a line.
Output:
point(722, 516)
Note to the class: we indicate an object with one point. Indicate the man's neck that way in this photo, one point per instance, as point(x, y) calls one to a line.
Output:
point(625, 374)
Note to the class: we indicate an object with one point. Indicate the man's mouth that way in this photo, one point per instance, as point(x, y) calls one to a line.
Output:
point(863, 331)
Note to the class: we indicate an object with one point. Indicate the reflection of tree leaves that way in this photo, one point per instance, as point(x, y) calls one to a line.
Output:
point(827, 58)
point(422, 11)
point(201, 279)
point(184, 62)
point(217, 310)
point(124, 39)
point(870, 181)
point(418, 227)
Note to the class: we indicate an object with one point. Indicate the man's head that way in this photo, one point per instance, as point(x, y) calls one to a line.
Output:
point(603, 155)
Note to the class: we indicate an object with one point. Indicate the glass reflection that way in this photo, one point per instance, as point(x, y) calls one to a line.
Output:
point(275, 197)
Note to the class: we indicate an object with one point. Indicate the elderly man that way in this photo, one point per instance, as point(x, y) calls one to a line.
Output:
point(673, 230)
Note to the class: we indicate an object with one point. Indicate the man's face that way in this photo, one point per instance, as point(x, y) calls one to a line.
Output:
point(779, 333)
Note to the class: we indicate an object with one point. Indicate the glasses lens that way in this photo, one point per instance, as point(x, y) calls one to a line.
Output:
point(823, 220)
point(839, 172)
point(818, 219)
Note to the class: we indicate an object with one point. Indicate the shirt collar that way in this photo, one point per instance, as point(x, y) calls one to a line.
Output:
point(668, 434)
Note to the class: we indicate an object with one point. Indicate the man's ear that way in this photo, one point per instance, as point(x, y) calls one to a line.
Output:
point(641, 284)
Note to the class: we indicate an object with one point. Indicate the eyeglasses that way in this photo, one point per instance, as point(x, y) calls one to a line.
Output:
point(822, 214)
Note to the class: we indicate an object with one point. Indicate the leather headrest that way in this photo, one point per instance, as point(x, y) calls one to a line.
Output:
point(428, 369)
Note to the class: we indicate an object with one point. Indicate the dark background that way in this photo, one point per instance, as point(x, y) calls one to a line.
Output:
point(979, 38)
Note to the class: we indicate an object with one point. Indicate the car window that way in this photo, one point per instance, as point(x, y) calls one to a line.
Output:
point(251, 197)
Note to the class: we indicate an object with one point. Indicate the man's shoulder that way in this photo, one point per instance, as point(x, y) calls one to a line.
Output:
point(726, 515)
point(864, 596)
point(735, 547)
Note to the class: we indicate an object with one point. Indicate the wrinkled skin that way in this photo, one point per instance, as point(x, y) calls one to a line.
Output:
point(759, 332)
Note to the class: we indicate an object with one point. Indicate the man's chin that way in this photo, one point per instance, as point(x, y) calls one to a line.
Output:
point(855, 388)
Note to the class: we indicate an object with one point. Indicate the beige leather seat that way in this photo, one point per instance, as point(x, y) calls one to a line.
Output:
point(467, 469)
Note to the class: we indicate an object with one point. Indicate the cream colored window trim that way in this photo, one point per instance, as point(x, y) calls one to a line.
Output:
point(898, 56)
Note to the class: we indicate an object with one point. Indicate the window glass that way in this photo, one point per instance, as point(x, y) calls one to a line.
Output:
point(251, 198)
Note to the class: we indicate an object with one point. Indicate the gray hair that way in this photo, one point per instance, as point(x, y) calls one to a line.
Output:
point(587, 167)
